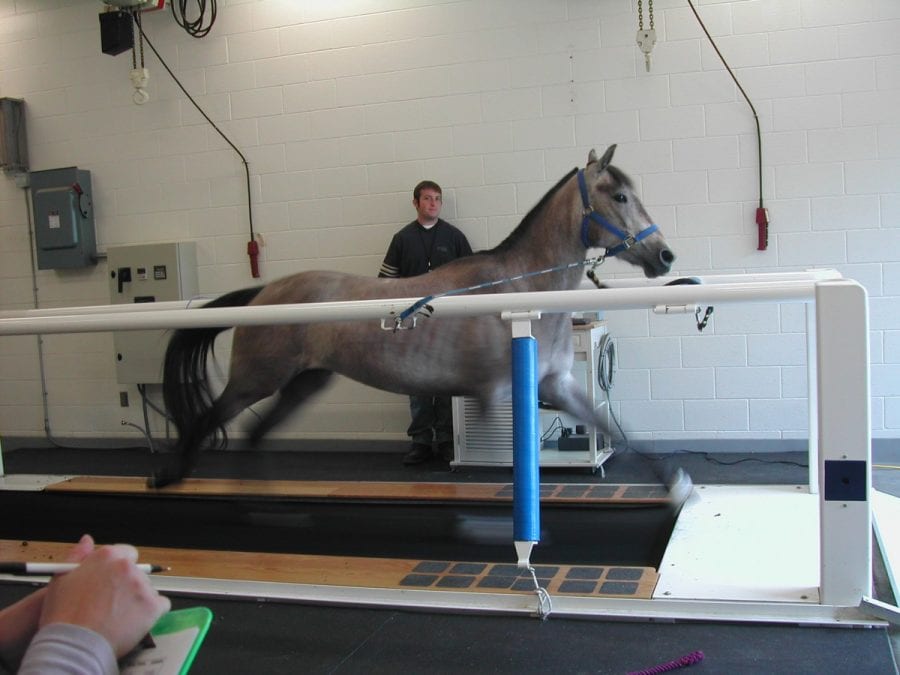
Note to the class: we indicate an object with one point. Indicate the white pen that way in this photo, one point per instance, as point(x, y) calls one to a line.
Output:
point(47, 569)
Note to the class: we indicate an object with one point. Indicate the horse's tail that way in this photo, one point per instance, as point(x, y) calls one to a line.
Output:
point(188, 397)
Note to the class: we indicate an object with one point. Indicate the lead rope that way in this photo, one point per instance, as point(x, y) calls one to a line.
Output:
point(423, 308)
point(545, 604)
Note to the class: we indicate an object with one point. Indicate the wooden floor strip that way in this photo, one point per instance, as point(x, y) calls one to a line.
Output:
point(387, 573)
point(366, 490)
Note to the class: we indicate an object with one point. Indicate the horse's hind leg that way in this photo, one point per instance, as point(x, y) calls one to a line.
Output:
point(291, 395)
point(238, 395)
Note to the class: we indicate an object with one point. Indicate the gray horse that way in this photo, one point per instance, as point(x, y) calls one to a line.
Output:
point(594, 207)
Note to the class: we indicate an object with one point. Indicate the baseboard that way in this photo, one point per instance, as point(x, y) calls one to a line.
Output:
point(10, 443)
point(742, 445)
point(883, 449)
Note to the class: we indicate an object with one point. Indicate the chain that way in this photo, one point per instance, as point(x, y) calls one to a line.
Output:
point(545, 603)
point(641, 14)
point(137, 17)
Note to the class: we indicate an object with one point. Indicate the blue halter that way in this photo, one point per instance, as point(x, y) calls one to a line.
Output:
point(628, 240)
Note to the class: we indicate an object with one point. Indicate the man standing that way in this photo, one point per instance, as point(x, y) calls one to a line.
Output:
point(425, 244)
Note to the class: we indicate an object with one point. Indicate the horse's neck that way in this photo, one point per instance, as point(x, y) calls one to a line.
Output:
point(551, 242)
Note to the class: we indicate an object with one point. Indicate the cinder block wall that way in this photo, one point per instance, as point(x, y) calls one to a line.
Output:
point(341, 107)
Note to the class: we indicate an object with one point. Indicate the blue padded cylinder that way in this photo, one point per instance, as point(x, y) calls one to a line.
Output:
point(526, 473)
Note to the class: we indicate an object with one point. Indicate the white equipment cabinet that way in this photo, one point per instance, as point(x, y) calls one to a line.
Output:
point(148, 273)
point(486, 440)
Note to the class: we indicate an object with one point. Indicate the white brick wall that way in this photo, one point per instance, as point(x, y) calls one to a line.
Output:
point(341, 108)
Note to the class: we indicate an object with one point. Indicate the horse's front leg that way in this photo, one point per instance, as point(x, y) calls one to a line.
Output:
point(564, 392)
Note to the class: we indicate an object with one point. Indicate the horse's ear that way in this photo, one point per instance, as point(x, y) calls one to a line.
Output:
point(607, 156)
point(592, 156)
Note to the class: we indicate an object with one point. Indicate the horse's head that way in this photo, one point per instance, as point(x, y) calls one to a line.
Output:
point(614, 218)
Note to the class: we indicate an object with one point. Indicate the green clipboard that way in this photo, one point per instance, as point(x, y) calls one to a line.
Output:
point(177, 636)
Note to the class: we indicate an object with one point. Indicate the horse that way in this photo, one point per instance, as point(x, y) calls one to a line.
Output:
point(593, 207)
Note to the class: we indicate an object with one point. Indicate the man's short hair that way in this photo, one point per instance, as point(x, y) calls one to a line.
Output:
point(426, 185)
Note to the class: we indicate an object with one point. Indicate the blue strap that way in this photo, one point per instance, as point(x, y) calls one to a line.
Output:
point(589, 214)
point(629, 241)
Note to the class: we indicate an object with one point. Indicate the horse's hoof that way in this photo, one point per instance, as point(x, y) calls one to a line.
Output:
point(160, 479)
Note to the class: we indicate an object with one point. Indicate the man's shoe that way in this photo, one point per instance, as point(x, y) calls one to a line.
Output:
point(445, 450)
point(418, 454)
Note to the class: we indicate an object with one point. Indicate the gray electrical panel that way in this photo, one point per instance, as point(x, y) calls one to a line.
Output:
point(148, 273)
point(63, 218)
point(13, 141)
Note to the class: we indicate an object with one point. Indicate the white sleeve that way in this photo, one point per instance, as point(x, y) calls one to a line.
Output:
point(62, 648)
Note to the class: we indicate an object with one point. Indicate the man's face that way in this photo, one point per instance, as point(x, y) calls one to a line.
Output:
point(428, 205)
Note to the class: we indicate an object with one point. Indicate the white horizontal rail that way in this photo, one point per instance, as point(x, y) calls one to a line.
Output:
point(773, 277)
point(819, 274)
point(446, 307)
point(107, 309)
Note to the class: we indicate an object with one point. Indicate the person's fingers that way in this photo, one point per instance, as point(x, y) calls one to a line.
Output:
point(123, 551)
point(81, 550)
point(164, 604)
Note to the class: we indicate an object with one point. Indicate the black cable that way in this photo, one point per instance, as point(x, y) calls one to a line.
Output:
point(606, 363)
point(618, 426)
point(555, 425)
point(744, 93)
point(713, 460)
point(195, 28)
point(213, 124)
point(762, 218)
point(149, 433)
point(142, 390)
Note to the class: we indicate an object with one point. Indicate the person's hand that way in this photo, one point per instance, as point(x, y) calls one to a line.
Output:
point(108, 595)
point(19, 621)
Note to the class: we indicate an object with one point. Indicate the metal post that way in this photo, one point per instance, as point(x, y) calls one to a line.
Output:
point(812, 402)
point(526, 462)
point(845, 478)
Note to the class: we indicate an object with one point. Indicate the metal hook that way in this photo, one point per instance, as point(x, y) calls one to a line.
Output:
point(701, 322)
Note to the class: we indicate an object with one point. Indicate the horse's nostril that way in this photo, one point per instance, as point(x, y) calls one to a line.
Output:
point(666, 257)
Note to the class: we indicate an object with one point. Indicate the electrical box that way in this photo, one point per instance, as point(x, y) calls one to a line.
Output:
point(148, 273)
point(486, 440)
point(63, 218)
point(13, 141)
point(116, 32)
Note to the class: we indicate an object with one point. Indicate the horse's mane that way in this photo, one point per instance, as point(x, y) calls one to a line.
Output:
point(522, 227)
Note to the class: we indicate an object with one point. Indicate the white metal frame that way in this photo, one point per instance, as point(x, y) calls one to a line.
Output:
point(841, 434)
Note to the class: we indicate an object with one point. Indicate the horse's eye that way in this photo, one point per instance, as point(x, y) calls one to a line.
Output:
point(619, 197)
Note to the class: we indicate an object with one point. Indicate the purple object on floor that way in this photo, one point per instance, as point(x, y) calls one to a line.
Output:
point(688, 660)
